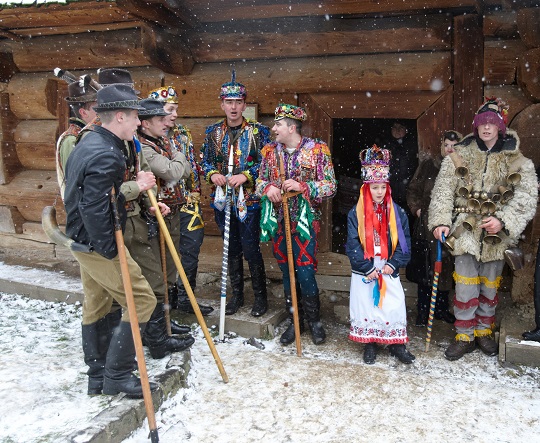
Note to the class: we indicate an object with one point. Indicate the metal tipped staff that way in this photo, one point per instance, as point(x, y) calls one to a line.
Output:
point(436, 271)
point(290, 257)
point(225, 259)
point(187, 286)
point(134, 321)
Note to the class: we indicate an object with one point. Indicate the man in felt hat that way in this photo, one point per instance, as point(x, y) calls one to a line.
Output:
point(169, 167)
point(236, 143)
point(137, 176)
point(92, 170)
point(470, 205)
point(191, 229)
point(308, 169)
point(81, 101)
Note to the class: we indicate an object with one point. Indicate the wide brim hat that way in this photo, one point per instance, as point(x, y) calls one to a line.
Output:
point(115, 97)
point(152, 108)
point(165, 94)
point(284, 110)
point(115, 76)
point(80, 94)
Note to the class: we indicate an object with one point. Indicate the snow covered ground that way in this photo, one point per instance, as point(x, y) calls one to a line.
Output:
point(328, 395)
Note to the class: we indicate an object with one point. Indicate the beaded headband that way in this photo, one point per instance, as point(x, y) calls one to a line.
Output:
point(290, 111)
point(375, 165)
point(165, 94)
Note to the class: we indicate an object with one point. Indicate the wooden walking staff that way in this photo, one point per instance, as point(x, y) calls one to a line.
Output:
point(290, 256)
point(436, 271)
point(134, 321)
point(187, 286)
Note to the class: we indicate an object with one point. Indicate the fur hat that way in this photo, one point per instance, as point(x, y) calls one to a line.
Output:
point(493, 111)
point(79, 94)
point(233, 89)
point(152, 108)
point(114, 97)
point(165, 94)
point(375, 165)
point(290, 111)
point(115, 76)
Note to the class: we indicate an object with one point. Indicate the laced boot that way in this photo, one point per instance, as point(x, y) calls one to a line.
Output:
point(158, 342)
point(441, 308)
point(312, 307)
point(236, 275)
point(289, 335)
point(118, 376)
point(258, 282)
point(463, 345)
point(96, 338)
point(370, 353)
point(400, 351)
point(486, 342)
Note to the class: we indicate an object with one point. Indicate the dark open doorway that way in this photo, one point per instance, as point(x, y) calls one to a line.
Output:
point(350, 137)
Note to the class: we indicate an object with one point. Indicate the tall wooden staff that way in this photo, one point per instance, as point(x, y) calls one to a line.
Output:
point(290, 256)
point(164, 270)
point(225, 259)
point(187, 286)
point(134, 321)
point(436, 271)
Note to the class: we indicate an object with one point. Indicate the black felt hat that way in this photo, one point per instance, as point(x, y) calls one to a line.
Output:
point(152, 108)
point(80, 94)
point(115, 76)
point(113, 97)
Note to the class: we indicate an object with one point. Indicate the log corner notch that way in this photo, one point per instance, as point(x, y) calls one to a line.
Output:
point(166, 51)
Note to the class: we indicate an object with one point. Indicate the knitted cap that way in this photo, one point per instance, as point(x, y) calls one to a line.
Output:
point(493, 111)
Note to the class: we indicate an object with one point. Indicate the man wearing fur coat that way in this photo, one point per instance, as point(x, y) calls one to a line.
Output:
point(484, 196)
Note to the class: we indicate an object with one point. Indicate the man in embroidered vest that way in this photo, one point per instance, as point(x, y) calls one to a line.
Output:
point(236, 142)
point(81, 112)
point(484, 196)
point(308, 169)
point(190, 213)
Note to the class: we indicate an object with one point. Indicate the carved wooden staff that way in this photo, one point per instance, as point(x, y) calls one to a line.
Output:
point(436, 271)
point(134, 321)
point(187, 286)
point(290, 256)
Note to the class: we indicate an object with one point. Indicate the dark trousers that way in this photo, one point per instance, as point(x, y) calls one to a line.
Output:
point(537, 289)
point(243, 236)
point(189, 248)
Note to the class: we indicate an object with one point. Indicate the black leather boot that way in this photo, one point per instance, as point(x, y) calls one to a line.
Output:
point(96, 338)
point(177, 329)
point(441, 308)
point(158, 341)
point(258, 282)
point(236, 275)
point(400, 351)
point(172, 291)
point(118, 376)
point(289, 335)
point(312, 307)
point(370, 353)
point(184, 305)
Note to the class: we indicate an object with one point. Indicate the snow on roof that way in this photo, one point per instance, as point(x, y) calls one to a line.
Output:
point(29, 2)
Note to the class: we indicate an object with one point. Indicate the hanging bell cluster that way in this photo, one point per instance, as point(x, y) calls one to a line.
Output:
point(480, 204)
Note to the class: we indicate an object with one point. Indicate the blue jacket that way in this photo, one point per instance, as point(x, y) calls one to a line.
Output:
point(355, 252)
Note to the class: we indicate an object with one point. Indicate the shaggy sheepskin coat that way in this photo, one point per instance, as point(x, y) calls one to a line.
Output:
point(487, 169)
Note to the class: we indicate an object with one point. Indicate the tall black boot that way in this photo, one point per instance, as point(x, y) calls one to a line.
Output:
point(312, 308)
point(422, 305)
point(236, 275)
point(96, 338)
point(184, 305)
point(172, 291)
point(289, 335)
point(118, 376)
point(258, 282)
point(156, 338)
point(441, 308)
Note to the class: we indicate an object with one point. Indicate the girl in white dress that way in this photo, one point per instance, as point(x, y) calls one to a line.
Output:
point(378, 244)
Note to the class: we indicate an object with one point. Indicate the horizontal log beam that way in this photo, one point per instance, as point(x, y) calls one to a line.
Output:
point(527, 24)
point(81, 51)
point(75, 29)
point(500, 25)
point(225, 10)
point(528, 74)
point(501, 60)
point(512, 94)
point(303, 37)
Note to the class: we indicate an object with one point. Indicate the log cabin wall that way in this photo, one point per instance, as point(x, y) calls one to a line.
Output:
point(428, 60)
